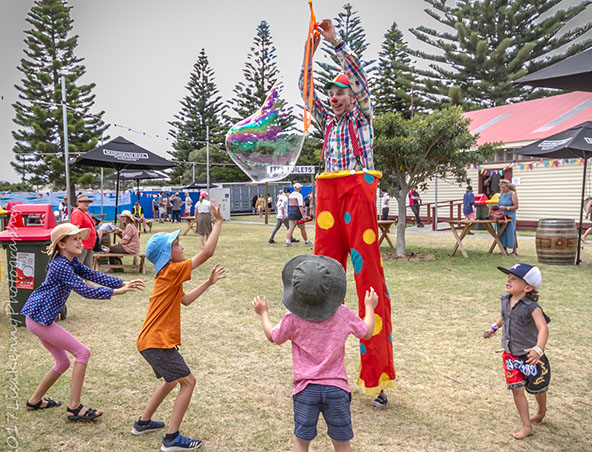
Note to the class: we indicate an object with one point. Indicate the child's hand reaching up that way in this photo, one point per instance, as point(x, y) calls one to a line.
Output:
point(260, 306)
point(217, 214)
point(371, 299)
point(218, 273)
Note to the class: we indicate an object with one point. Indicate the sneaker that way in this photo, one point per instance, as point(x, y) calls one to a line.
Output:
point(151, 426)
point(380, 401)
point(271, 241)
point(308, 242)
point(420, 225)
point(288, 244)
point(180, 443)
point(295, 240)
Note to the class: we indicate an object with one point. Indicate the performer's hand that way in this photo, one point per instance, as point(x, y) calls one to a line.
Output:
point(371, 299)
point(327, 29)
point(260, 306)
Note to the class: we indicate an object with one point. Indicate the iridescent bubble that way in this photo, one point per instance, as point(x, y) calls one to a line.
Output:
point(264, 145)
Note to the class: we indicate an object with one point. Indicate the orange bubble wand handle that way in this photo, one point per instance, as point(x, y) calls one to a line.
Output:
point(312, 26)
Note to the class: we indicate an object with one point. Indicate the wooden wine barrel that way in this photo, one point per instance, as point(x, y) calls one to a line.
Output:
point(557, 241)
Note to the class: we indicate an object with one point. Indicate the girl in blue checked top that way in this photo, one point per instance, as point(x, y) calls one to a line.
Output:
point(64, 275)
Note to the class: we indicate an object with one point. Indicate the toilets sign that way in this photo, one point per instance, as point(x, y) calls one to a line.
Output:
point(295, 170)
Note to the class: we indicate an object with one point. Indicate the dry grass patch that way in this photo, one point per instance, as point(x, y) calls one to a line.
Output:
point(450, 393)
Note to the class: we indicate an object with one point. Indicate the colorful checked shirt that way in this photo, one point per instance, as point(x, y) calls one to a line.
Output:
point(339, 153)
point(62, 277)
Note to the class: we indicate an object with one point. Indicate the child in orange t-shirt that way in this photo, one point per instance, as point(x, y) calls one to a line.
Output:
point(160, 335)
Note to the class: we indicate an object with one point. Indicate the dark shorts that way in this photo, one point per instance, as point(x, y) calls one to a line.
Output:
point(333, 402)
point(536, 378)
point(167, 363)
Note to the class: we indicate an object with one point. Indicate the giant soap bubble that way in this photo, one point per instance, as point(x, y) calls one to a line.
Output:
point(263, 145)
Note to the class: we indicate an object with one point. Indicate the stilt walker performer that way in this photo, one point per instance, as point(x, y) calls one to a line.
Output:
point(346, 219)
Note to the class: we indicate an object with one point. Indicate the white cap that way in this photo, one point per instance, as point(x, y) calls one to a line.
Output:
point(297, 186)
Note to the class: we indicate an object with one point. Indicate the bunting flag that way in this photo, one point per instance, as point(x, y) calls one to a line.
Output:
point(528, 166)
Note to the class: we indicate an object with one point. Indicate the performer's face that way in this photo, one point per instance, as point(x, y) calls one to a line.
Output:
point(341, 100)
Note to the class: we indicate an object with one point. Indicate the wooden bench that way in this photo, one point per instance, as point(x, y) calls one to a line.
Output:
point(97, 264)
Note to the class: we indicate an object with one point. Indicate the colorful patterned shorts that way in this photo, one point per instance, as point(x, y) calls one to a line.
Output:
point(536, 377)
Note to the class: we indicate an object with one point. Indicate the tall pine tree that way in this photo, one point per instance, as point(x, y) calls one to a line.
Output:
point(394, 88)
point(202, 107)
point(39, 148)
point(260, 73)
point(489, 43)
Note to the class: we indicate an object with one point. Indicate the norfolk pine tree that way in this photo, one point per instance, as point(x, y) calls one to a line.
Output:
point(202, 107)
point(410, 152)
point(489, 43)
point(39, 147)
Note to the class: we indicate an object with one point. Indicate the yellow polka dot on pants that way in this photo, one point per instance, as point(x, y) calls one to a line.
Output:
point(325, 220)
point(369, 236)
point(377, 325)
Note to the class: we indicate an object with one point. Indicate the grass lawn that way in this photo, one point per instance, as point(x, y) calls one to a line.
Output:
point(450, 393)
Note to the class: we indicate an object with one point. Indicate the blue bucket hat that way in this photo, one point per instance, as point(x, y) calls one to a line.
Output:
point(159, 248)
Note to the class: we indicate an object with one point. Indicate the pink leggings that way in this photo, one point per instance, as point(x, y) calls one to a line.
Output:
point(57, 341)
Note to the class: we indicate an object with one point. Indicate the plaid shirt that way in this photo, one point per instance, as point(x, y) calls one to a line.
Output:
point(339, 153)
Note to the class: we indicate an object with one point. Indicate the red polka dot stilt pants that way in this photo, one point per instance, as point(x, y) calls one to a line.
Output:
point(346, 224)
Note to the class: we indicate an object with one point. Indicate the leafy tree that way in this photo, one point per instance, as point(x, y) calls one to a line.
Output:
point(202, 107)
point(39, 148)
point(260, 73)
point(15, 186)
point(489, 43)
point(411, 151)
point(393, 82)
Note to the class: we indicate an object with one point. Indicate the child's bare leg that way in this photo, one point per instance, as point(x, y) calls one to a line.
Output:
point(161, 392)
point(522, 405)
point(300, 445)
point(77, 380)
point(50, 378)
point(341, 446)
point(542, 409)
point(181, 402)
point(304, 234)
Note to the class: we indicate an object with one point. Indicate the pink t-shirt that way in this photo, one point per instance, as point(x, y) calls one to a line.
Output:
point(318, 348)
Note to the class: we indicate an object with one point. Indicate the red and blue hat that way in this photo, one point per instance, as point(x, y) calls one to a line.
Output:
point(341, 80)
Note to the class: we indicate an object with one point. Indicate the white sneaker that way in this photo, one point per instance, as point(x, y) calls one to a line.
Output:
point(308, 242)
point(288, 244)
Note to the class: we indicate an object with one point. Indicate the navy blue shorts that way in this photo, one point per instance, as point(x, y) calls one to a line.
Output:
point(166, 363)
point(333, 402)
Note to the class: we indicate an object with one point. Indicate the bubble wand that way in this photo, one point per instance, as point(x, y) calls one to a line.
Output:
point(312, 33)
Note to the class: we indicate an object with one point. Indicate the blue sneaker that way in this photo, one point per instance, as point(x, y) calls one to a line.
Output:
point(180, 443)
point(151, 426)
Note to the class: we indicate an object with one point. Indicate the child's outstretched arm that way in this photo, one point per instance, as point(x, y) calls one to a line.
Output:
point(128, 286)
point(210, 246)
point(535, 353)
point(218, 273)
point(370, 301)
point(260, 307)
point(492, 329)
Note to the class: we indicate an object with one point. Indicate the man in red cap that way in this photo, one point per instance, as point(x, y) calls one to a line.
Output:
point(346, 220)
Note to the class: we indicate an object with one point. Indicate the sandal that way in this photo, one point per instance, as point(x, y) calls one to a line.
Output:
point(50, 404)
point(76, 416)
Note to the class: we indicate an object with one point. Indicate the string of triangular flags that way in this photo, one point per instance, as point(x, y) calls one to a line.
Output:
point(528, 166)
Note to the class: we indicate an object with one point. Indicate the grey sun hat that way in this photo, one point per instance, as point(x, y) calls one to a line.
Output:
point(314, 286)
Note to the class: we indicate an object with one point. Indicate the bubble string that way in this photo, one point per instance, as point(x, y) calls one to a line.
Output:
point(312, 32)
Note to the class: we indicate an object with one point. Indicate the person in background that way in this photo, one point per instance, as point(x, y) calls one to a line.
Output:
point(203, 208)
point(176, 203)
point(588, 207)
point(81, 218)
point(508, 203)
point(260, 205)
point(188, 205)
point(469, 205)
point(296, 213)
point(155, 207)
point(130, 240)
point(161, 208)
point(63, 209)
point(138, 215)
point(385, 204)
point(254, 204)
point(168, 207)
point(282, 214)
point(415, 203)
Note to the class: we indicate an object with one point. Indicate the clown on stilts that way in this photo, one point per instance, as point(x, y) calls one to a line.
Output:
point(346, 218)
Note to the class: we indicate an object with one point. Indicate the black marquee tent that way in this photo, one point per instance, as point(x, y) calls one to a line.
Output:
point(122, 154)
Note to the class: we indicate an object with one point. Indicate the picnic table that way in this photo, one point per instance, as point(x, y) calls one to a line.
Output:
point(385, 226)
point(190, 220)
point(465, 227)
